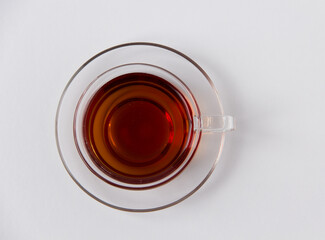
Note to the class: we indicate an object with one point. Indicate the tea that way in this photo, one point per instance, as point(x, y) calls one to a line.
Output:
point(138, 128)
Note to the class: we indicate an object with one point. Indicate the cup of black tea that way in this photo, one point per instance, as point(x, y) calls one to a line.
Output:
point(140, 127)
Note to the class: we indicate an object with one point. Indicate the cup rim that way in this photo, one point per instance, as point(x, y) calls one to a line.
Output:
point(96, 169)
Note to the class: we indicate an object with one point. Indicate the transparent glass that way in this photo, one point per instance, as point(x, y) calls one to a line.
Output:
point(209, 122)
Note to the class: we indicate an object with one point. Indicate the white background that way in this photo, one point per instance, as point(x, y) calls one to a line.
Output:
point(267, 59)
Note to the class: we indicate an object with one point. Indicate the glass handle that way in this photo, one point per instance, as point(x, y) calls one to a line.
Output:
point(215, 123)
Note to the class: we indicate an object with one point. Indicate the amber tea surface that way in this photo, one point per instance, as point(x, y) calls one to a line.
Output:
point(138, 128)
